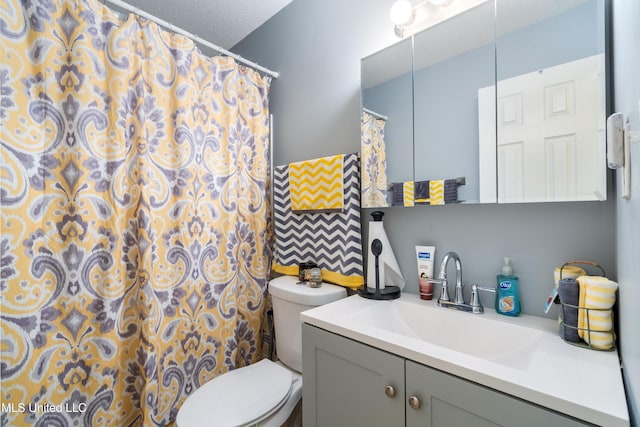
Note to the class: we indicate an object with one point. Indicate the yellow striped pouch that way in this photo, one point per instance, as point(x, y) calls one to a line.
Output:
point(317, 184)
point(436, 192)
point(596, 326)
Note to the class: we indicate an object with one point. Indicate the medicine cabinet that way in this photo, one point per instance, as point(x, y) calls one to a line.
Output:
point(507, 98)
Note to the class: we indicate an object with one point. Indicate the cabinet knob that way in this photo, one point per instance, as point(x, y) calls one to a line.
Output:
point(414, 402)
point(390, 391)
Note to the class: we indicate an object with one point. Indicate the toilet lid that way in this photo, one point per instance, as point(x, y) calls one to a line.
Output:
point(239, 397)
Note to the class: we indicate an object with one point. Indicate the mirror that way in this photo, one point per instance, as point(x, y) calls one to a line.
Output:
point(452, 61)
point(427, 86)
point(539, 137)
point(386, 123)
point(551, 101)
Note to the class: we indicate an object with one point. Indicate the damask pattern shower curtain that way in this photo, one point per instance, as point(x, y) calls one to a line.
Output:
point(134, 247)
point(373, 167)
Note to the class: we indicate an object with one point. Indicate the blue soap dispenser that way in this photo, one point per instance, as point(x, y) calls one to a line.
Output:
point(507, 295)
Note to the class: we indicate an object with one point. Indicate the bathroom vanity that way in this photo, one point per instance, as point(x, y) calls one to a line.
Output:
point(409, 362)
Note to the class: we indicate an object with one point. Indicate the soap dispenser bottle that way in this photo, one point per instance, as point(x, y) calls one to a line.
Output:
point(507, 294)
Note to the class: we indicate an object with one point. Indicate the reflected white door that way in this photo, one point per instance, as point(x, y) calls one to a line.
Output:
point(550, 134)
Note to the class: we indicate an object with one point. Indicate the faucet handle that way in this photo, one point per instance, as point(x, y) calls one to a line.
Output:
point(482, 288)
point(444, 290)
point(476, 306)
point(459, 298)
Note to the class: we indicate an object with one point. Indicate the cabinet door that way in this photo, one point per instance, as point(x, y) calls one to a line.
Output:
point(345, 382)
point(446, 400)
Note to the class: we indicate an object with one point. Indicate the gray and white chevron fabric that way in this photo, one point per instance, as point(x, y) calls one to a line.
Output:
point(333, 240)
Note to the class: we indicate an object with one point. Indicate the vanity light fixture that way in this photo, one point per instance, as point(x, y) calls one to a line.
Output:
point(402, 12)
point(410, 19)
point(441, 3)
point(401, 15)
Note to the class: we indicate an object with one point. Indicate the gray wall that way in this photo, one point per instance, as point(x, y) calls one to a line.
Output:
point(626, 63)
point(317, 46)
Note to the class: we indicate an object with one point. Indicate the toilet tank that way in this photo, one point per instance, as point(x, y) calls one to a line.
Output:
point(289, 300)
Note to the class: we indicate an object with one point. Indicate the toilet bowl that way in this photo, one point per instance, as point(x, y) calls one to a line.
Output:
point(266, 393)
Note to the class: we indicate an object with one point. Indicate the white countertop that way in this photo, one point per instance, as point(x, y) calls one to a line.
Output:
point(579, 382)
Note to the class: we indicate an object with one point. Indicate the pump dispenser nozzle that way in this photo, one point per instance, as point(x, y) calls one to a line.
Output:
point(506, 268)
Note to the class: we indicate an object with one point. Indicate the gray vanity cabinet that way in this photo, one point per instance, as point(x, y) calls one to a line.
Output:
point(446, 400)
point(346, 383)
point(350, 384)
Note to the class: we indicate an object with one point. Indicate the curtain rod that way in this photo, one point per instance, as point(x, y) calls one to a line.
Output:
point(373, 113)
point(195, 38)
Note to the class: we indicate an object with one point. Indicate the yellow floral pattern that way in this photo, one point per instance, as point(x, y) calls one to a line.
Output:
point(134, 249)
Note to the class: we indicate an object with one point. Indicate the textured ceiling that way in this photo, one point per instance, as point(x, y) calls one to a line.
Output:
point(222, 22)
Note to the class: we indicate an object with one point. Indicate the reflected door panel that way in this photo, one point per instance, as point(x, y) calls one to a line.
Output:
point(549, 134)
point(511, 167)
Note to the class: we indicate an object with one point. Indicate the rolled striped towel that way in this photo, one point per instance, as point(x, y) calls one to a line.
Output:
point(436, 192)
point(408, 193)
point(568, 272)
point(397, 194)
point(421, 192)
point(450, 191)
point(595, 326)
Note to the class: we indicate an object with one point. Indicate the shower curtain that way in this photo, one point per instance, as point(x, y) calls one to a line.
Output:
point(135, 233)
point(373, 162)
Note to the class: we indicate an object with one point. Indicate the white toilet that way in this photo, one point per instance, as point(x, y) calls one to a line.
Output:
point(265, 393)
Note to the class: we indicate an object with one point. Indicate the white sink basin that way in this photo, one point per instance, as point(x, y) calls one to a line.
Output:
point(473, 334)
point(521, 356)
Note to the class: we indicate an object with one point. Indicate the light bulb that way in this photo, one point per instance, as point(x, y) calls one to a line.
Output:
point(441, 3)
point(401, 12)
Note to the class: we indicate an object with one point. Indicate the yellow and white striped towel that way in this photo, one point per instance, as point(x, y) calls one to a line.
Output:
point(317, 184)
point(568, 272)
point(436, 192)
point(596, 293)
point(408, 193)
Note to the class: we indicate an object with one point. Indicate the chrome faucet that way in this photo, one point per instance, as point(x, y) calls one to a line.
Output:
point(458, 303)
point(442, 279)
